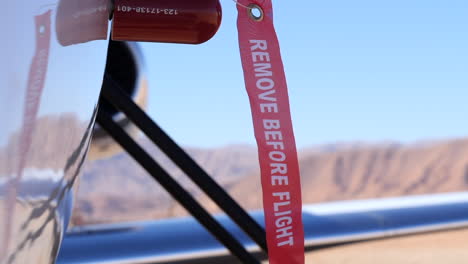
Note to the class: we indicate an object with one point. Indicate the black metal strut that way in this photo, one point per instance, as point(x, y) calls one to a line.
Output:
point(112, 93)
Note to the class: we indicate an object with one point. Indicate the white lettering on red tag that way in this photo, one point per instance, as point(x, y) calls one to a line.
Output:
point(266, 85)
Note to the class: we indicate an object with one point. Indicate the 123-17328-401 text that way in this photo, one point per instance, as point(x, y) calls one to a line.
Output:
point(148, 10)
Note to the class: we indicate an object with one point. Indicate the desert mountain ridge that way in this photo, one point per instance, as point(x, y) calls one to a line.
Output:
point(117, 189)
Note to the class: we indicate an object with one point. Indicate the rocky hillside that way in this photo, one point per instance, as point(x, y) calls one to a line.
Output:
point(118, 190)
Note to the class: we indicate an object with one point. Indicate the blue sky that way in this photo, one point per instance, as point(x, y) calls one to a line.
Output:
point(357, 71)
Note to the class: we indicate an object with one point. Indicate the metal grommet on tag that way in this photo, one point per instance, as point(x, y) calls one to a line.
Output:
point(42, 30)
point(255, 12)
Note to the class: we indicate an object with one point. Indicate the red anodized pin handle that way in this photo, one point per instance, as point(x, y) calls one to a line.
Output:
point(171, 21)
point(82, 21)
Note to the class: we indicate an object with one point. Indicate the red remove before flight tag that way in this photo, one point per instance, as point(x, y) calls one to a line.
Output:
point(34, 89)
point(265, 82)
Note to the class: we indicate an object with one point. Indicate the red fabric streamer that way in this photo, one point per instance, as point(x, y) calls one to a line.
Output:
point(265, 82)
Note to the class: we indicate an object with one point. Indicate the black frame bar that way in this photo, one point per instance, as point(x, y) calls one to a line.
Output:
point(112, 93)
